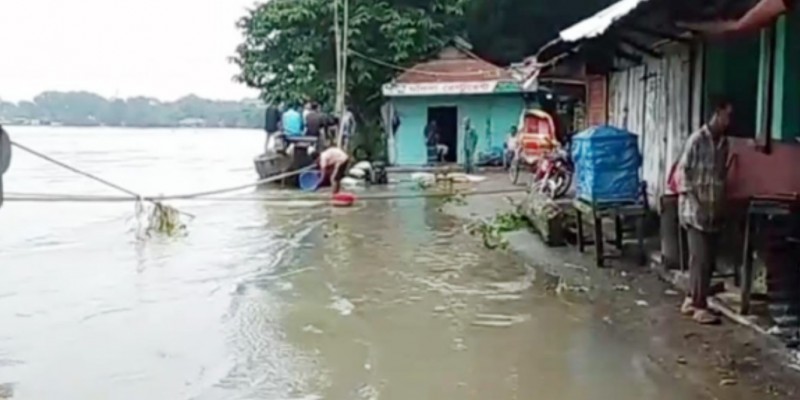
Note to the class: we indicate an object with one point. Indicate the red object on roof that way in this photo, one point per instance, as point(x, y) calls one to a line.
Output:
point(454, 65)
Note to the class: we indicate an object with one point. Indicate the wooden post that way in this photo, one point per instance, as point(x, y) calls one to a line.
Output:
point(747, 258)
point(579, 217)
point(598, 239)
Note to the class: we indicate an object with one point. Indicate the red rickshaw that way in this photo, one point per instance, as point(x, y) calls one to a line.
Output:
point(536, 138)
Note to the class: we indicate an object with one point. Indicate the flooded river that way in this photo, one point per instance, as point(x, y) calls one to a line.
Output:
point(389, 300)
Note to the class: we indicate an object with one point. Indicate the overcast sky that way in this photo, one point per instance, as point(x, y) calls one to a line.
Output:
point(160, 48)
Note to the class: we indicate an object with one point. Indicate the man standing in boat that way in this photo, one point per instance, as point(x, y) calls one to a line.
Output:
point(292, 122)
point(316, 122)
point(272, 125)
point(307, 108)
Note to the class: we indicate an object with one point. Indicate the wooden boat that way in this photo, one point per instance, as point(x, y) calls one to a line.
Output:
point(274, 163)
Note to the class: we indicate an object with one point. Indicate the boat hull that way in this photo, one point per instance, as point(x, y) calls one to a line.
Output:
point(272, 164)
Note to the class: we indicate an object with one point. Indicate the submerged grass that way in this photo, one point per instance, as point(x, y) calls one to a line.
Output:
point(162, 219)
point(491, 231)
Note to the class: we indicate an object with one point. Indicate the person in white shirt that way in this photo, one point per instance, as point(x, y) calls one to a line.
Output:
point(511, 147)
point(348, 128)
point(333, 164)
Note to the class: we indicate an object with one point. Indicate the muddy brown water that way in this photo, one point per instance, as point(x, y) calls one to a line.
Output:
point(387, 300)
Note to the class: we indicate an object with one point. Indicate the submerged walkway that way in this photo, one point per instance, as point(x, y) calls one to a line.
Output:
point(726, 362)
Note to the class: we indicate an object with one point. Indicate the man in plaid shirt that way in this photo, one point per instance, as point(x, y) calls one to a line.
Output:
point(702, 194)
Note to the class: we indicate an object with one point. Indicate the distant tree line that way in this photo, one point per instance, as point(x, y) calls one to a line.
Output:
point(89, 109)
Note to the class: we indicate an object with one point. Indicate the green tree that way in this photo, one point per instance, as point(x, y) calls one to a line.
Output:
point(289, 48)
point(72, 108)
point(8, 109)
point(288, 51)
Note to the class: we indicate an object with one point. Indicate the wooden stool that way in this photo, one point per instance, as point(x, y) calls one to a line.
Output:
point(617, 212)
point(758, 211)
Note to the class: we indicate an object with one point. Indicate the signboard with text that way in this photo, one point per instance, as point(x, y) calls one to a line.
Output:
point(449, 88)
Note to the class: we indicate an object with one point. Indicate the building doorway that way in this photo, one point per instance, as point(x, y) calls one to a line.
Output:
point(446, 119)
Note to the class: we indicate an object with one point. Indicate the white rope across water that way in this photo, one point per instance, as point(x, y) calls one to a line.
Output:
point(209, 195)
point(69, 198)
point(133, 196)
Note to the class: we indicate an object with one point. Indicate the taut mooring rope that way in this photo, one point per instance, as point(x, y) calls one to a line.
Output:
point(68, 198)
point(153, 199)
point(208, 195)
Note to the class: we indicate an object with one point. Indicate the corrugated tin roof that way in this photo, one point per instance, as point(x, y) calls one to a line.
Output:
point(454, 66)
point(599, 23)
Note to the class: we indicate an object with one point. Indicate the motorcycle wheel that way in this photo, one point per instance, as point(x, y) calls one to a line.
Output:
point(538, 179)
point(559, 183)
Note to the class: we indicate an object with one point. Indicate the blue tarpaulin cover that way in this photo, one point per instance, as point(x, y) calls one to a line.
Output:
point(607, 163)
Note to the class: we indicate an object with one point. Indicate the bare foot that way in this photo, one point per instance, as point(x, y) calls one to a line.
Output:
point(687, 308)
point(705, 317)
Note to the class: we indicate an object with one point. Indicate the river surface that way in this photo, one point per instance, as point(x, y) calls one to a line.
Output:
point(388, 300)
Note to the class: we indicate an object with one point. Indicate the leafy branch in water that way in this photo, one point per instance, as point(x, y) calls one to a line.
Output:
point(166, 220)
point(162, 219)
point(491, 231)
point(455, 198)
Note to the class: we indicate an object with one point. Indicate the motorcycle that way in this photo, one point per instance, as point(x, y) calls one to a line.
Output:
point(553, 174)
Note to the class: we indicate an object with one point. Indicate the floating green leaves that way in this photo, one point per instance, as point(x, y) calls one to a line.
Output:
point(455, 198)
point(162, 220)
point(166, 220)
point(491, 231)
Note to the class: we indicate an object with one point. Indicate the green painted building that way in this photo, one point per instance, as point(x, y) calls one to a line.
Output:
point(447, 90)
point(785, 88)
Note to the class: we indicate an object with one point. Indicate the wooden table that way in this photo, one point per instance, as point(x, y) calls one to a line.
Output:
point(617, 212)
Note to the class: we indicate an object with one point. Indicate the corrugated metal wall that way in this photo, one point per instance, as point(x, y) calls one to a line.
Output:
point(637, 101)
point(618, 99)
point(698, 72)
point(653, 101)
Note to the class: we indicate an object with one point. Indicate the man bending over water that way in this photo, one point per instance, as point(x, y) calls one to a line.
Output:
point(333, 165)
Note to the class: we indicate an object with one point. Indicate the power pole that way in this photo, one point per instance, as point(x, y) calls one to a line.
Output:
point(345, 43)
point(342, 38)
point(338, 43)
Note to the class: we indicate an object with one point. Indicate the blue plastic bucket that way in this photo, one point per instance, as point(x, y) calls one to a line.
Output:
point(310, 180)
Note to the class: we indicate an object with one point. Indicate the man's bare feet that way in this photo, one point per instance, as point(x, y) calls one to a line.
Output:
point(687, 308)
point(705, 317)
